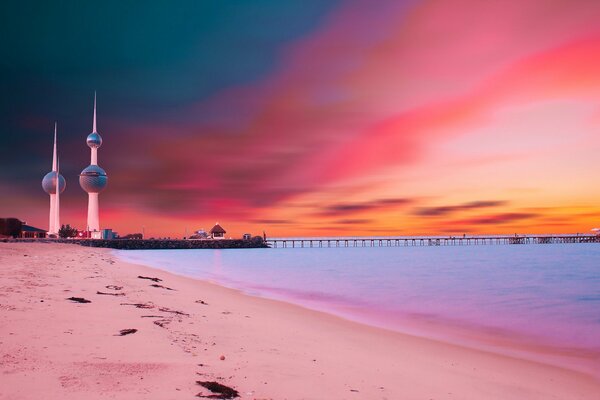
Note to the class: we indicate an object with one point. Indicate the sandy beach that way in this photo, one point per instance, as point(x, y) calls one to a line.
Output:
point(188, 331)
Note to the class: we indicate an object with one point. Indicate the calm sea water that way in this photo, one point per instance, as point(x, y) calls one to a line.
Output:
point(548, 294)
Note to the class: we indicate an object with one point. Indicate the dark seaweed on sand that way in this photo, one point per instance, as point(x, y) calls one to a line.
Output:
point(124, 332)
point(161, 286)
point(79, 300)
point(150, 278)
point(221, 391)
point(138, 305)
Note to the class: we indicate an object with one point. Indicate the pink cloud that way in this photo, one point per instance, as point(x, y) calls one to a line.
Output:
point(369, 91)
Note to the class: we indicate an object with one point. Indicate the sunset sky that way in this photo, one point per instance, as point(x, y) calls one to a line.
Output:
point(307, 118)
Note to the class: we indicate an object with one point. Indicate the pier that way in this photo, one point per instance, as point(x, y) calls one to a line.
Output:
point(401, 241)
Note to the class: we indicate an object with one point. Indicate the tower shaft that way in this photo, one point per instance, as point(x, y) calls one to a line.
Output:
point(93, 217)
point(52, 224)
point(94, 157)
point(57, 201)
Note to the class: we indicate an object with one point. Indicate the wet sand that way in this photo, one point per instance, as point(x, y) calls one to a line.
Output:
point(188, 331)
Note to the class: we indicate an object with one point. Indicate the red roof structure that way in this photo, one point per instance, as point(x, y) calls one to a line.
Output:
point(217, 229)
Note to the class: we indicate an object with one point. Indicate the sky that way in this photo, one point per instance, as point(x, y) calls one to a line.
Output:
point(307, 118)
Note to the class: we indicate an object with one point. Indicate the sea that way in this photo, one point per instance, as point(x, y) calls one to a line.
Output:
point(536, 301)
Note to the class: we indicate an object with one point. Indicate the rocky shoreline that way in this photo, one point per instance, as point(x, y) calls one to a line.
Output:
point(165, 244)
point(157, 244)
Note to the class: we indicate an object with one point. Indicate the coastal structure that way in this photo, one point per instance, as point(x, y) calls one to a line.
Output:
point(31, 232)
point(217, 232)
point(15, 228)
point(93, 180)
point(54, 184)
point(390, 241)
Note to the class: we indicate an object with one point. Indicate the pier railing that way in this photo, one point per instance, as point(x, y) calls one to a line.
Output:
point(429, 241)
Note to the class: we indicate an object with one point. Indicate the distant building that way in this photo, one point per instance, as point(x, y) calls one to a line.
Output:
point(83, 234)
point(247, 236)
point(217, 232)
point(15, 228)
point(10, 227)
point(108, 234)
point(31, 232)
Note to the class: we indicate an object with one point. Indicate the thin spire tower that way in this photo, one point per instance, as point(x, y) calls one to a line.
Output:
point(54, 184)
point(94, 127)
point(54, 154)
point(93, 179)
point(57, 194)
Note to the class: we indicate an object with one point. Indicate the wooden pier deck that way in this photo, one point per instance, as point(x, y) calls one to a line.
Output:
point(430, 241)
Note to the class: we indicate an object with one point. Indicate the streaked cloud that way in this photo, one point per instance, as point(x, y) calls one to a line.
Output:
point(368, 206)
point(496, 219)
point(353, 221)
point(445, 210)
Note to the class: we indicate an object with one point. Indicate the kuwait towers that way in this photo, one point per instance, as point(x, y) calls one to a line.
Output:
point(93, 179)
point(49, 185)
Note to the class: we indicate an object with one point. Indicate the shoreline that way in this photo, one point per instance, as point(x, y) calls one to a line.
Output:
point(271, 349)
point(497, 340)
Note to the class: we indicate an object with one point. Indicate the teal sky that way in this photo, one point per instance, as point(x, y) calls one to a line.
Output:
point(307, 117)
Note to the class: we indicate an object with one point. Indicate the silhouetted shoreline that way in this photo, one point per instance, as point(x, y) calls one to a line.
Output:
point(155, 244)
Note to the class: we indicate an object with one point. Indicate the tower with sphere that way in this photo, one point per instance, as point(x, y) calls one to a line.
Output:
point(54, 184)
point(93, 179)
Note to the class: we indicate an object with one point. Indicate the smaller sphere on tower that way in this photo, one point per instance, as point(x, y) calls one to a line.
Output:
point(94, 140)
